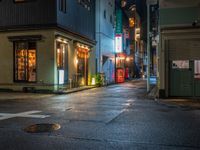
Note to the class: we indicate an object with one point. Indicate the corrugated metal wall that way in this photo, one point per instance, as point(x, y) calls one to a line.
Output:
point(28, 13)
point(78, 18)
point(184, 49)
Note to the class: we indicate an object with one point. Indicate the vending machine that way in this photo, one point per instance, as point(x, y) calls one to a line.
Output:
point(120, 75)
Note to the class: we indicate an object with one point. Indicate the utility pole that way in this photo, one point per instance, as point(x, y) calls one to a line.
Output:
point(149, 3)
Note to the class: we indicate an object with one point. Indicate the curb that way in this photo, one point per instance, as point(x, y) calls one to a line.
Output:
point(185, 103)
point(74, 90)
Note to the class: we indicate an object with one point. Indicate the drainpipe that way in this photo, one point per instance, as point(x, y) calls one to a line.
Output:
point(148, 48)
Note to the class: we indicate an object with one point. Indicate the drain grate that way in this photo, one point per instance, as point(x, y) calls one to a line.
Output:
point(44, 127)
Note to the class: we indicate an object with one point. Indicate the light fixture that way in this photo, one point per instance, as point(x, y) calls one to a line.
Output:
point(127, 59)
point(76, 61)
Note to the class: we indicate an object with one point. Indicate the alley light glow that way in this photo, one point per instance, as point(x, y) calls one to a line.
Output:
point(127, 59)
point(118, 43)
point(131, 22)
point(137, 34)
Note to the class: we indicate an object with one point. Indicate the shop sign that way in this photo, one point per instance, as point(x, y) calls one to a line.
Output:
point(61, 76)
point(118, 43)
point(118, 21)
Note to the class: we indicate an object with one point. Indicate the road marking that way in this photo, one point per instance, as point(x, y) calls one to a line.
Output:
point(26, 114)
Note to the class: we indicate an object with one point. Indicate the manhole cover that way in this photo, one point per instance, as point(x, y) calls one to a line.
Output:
point(44, 127)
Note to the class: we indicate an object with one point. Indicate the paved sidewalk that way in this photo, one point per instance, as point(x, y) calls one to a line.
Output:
point(73, 90)
point(40, 95)
point(192, 103)
point(180, 102)
point(22, 96)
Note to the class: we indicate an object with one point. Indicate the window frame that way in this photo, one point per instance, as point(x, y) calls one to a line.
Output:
point(61, 55)
point(16, 62)
point(62, 4)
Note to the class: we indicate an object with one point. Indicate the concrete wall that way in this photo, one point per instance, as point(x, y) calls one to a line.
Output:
point(45, 59)
point(180, 19)
point(105, 34)
point(178, 16)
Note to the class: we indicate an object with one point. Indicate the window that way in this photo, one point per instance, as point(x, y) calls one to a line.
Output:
point(63, 5)
point(61, 55)
point(85, 3)
point(111, 20)
point(25, 61)
point(104, 14)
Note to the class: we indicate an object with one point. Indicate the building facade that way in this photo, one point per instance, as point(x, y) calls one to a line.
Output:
point(179, 54)
point(105, 58)
point(46, 46)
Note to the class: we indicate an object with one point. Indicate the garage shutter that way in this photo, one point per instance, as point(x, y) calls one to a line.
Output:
point(184, 49)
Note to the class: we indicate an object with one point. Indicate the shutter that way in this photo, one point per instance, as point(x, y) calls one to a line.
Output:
point(184, 49)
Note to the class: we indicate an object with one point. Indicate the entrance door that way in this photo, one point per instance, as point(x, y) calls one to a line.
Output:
point(181, 81)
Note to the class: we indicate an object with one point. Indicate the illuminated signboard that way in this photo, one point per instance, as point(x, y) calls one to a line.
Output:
point(118, 43)
point(61, 76)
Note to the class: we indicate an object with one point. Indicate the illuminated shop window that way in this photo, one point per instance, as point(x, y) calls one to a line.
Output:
point(61, 55)
point(25, 61)
point(120, 62)
point(131, 22)
point(82, 64)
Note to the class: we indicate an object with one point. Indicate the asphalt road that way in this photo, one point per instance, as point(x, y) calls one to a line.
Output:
point(108, 118)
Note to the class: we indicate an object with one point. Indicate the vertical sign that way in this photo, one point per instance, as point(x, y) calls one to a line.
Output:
point(118, 43)
point(118, 21)
point(118, 31)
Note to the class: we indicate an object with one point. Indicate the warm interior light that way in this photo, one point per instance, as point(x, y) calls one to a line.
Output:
point(93, 81)
point(82, 81)
point(76, 61)
point(131, 22)
point(137, 34)
point(127, 59)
